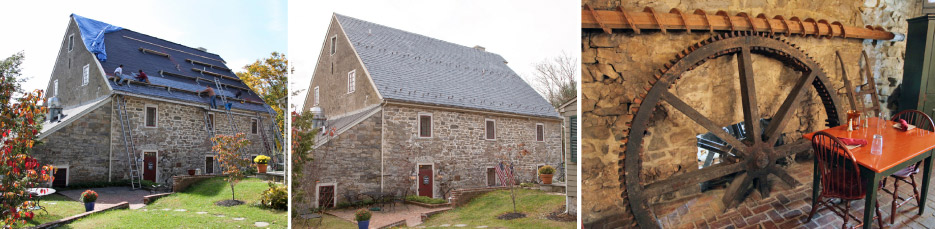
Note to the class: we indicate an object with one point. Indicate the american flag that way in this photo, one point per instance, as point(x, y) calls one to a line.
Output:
point(505, 173)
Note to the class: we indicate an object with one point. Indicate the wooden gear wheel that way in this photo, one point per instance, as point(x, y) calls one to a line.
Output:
point(756, 155)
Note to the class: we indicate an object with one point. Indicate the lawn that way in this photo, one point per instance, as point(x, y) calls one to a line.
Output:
point(166, 212)
point(328, 222)
point(483, 211)
point(58, 207)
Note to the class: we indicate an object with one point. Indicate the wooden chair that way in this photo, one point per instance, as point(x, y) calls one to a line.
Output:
point(907, 175)
point(840, 177)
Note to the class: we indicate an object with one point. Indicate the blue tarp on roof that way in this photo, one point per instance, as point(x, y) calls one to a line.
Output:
point(92, 33)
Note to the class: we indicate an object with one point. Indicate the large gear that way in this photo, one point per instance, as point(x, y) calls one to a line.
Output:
point(756, 155)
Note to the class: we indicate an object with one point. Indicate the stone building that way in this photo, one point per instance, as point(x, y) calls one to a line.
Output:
point(407, 114)
point(616, 68)
point(169, 124)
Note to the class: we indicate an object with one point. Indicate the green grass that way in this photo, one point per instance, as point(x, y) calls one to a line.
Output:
point(484, 209)
point(328, 222)
point(58, 207)
point(425, 200)
point(198, 198)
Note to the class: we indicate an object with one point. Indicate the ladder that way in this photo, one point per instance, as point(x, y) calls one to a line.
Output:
point(278, 143)
point(230, 116)
point(133, 162)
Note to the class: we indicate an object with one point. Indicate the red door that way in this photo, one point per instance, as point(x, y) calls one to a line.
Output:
point(326, 196)
point(149, 166)
point(425, 181)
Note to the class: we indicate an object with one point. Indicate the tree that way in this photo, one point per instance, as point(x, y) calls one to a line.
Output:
point(20, 122)
point(555, 79)
point(232, 163)
point(303, 139)
point(268, 78)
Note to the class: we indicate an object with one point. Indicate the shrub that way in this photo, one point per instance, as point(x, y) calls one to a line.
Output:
point(262, 159)
point(425, 200)
point(88, 196)
point(362, 215)
point(548, 169)
point(276, 197)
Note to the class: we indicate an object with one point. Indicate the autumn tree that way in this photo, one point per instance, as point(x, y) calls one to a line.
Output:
point(232, 162)
point(556, 78)
point(268, 78)
point(20, 121)
point(303, 139)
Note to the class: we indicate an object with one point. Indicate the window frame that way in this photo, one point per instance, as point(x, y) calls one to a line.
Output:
point(540, 136)
point(254, 126)
point(419, 126)
point(334, 45)
point(155, 116)
point(352, 81)
point(486, 136)
point(85, 74)
point(213, 162)
point(55, 88)
point(317, 98)
point(71, 42)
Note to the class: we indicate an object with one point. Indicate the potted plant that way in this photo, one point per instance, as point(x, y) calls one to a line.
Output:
point(261, 163)
point(88, 197)
point(545, 174)
point(191, 172)
point(362, 217)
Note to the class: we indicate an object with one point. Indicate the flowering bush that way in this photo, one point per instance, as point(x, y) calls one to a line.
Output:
point(262, 159)
point(276, 197)
point(548, 169)
point(88, 196)
point(362, 215)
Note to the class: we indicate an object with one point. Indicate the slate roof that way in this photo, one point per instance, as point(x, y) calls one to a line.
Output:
point(411, 67)
point(123, 47)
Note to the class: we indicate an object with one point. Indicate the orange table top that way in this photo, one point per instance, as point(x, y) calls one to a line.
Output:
point(898, 146)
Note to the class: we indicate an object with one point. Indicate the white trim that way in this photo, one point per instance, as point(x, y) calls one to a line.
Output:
point(67, 168)
point(537, 132)
point(494, 129)
point(419, 180)
point(469, 110)
point(156, 168)
point(419, 125)
point(354, 50)
point(85, 74)
point(103, 73)
point(334, 194)
point(257, 122)
point(55, 88)
point(317, 96)
point(214, 164)
point(155, 116)
point(352, 81)
point(70, 45)
point(334, 46)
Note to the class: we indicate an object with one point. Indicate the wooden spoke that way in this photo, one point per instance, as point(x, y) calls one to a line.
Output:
point(784, 176)
point(793, 148)
point(751, 115)
point(691, 178)
point(787, 108)
point(702, 120)
point(735, 192)
point(763, 186)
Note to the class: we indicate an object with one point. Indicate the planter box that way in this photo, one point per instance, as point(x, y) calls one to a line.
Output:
point(428, 205)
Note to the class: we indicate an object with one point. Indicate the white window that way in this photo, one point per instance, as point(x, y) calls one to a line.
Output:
point(254, 126)
point(55, 88)
point(316, 96)
point(71, 42)
point(540, 132)
point(333, 45)
point(84, 75)
point(425, 125)
point(490, 129)
point(351, 77)
point(151, 116)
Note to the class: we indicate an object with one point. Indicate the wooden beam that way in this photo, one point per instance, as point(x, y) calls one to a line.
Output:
point(154, 52)
point(649, 19)
point(198, 78)
point(207, 65)
point(214, 74)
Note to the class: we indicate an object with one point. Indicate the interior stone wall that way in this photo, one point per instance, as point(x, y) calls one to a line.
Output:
point(616, 68)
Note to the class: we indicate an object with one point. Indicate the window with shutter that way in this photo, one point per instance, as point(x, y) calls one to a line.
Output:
point(573, 136)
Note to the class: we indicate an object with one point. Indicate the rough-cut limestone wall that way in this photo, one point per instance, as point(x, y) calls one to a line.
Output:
point(80, 146)
point(616, 67)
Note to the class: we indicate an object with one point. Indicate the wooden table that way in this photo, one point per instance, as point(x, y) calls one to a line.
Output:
point(900, 150)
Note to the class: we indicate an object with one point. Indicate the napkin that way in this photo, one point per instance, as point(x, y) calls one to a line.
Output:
point(853, 141)
point(902, 125)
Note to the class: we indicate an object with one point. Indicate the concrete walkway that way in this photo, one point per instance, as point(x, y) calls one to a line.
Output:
point(111, 196)
point(412, 215)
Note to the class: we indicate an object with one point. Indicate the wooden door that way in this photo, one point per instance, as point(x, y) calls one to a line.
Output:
point(209, 165)
point(61, 178)
point(491, 177)
point(326, 196)
point(149, 166)
point(425, 181)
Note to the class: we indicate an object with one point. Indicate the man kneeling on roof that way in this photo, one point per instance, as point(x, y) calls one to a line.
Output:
point(142, 77)
point(119, 76)
point(210, 91)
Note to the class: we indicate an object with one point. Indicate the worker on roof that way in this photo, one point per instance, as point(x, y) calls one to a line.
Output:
point(142, 77)
point(210, 91)
point(118, 75)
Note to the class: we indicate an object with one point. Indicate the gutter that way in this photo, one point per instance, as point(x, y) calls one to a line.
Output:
point(473, 110)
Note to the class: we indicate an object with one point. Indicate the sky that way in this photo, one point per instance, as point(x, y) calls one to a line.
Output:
point(523, 32)
point(241, 32)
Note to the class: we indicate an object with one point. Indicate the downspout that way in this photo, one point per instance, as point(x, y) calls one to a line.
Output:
point(110, 162)
point(382, 141)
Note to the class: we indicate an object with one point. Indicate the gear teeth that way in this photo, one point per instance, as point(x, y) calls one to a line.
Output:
point(661, 72)
point(657, 76)
point(667, 65)
point(652, 81)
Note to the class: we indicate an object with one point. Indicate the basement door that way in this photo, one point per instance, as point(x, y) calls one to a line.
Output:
point(326, 196)
point(61, 178)
point(425, 181)
point(149, 166)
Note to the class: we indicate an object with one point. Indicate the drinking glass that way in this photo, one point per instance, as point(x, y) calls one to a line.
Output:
point(877, 147)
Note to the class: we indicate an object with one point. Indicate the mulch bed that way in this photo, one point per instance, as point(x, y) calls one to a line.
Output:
point(228, 203)
point(511, 215)
point(561, 216)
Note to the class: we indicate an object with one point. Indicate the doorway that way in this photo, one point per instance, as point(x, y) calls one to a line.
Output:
point(61, 178)
point(426, 181)
point(150, 165)
point(491, 177)
point(326, 196)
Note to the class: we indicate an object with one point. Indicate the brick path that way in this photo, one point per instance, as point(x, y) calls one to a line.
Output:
point(110, 196)
point(787, 207)
point(412, 215)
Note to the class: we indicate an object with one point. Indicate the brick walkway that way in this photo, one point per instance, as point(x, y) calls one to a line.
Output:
point(412, 215)
point(786, 207)
point(111, 196)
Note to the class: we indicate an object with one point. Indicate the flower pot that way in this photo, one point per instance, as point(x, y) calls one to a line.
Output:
point(89, 206)
point(363, 224)
point(191, 172)
point(261, 168)
point(546, 178)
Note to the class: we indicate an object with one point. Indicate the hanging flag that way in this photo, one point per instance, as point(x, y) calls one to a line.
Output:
point(505, 174)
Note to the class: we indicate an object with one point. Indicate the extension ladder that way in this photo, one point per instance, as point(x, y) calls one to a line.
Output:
point(133, 161)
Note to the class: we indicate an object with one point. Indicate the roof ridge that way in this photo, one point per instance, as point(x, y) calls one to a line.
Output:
point(420, 35)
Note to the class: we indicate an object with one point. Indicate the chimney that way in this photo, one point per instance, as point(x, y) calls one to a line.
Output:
point(481, 48)
point(202, 49)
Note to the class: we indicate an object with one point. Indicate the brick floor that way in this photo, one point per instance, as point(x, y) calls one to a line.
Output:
point(786, 207)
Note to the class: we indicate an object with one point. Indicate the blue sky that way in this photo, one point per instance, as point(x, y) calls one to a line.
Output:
point(239, 31)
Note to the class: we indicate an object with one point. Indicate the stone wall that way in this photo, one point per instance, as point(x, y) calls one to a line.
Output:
point(81, 146)
point(617, 66)
point(458, 151)
point(69, 68)
point(330, 77)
